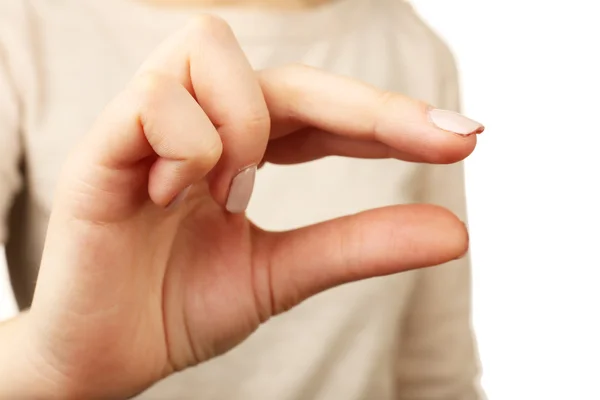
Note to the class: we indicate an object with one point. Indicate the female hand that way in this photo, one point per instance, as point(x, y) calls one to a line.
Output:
point(150, 264)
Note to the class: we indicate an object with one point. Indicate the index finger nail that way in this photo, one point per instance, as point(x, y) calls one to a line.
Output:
point(454, 122)
point(241, 190)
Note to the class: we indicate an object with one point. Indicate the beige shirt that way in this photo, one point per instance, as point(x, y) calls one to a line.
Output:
point(401, 337)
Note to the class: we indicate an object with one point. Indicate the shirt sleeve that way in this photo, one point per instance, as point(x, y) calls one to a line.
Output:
point(10, 144)
point(15, 67)
point(438, 358)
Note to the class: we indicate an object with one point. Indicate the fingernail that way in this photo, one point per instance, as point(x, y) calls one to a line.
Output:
point(177, 200)
point(455, 122)
point(241, 190)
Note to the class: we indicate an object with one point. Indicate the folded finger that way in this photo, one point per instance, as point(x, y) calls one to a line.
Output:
point(206, 58)
point(143, 138)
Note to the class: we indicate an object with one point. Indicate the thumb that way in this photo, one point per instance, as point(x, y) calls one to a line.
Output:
point(374, 243)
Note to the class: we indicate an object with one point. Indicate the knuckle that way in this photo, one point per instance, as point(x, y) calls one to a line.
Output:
point(387, 98)
point(384, 101)
point(214, 151)
point(150, 83)
point(206, 25)
point(150, 87)
point(257, 123)
point(209, 155)
point(288, 80)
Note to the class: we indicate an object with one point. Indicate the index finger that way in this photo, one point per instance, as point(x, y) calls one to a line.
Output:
point(300, 97)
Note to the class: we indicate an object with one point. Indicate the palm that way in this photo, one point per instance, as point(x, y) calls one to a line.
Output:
point(210, 283)
point(170, 289)
point(203, 291)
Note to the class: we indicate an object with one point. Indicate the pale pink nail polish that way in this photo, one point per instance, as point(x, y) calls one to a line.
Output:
point(454, 122)
point(241, 190)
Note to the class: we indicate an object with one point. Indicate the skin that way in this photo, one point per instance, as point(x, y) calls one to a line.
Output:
point(132, 290)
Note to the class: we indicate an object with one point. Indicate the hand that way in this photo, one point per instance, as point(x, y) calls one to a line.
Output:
point(150, 264)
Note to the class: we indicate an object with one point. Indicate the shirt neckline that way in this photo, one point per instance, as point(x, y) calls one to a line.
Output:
point(266, 24)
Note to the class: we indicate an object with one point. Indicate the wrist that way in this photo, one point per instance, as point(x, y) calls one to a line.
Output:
point(24, 374)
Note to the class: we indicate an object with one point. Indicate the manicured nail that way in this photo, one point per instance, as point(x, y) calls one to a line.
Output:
point(177, 200)
point(455, 122)
point(241, 191)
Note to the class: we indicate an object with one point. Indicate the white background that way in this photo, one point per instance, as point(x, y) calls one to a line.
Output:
point(530, 73)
